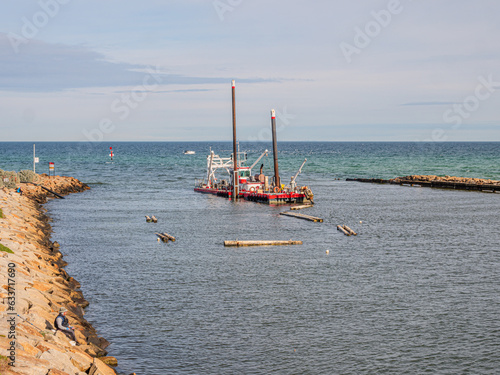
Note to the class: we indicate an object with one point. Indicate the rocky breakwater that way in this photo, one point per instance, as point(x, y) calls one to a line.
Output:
point(450, 182)
point(34, 286)
point(442, 182)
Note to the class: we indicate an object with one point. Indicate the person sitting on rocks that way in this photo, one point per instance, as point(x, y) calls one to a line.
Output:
point(61, 324)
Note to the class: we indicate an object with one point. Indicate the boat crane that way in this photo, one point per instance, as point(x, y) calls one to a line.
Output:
point(260, 157)
point(292, 182)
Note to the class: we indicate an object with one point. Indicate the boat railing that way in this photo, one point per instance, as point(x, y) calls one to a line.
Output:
point(199, 183)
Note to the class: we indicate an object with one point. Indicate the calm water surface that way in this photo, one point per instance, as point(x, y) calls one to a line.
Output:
point(417, 291)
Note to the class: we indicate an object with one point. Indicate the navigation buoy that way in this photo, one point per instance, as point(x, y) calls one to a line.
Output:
point(111, 152)
point(327, 252)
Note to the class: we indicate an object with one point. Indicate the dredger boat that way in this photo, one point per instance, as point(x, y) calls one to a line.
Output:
point(240, 183)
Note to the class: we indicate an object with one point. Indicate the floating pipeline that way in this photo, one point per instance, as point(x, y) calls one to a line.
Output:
point(34, 285)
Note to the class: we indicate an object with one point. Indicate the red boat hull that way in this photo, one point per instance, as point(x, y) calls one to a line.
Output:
point(269, 198)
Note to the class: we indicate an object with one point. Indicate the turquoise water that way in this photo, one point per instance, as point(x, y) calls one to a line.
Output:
point(416, 291)
point(325, 159)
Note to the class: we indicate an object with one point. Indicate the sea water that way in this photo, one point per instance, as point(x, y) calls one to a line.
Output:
point(418, 290)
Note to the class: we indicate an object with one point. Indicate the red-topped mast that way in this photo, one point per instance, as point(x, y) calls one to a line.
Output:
point(235, 151)
point(275, 150)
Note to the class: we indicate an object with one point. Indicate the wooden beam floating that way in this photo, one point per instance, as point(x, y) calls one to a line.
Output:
point(346, 230)
point(301, 207)
point(165, 237)
point(350, 230)
point(162, 237)
point(148, 219)
point(154, 219)
point(302, 216)
point(171, 238)
point(260, 243)
point(341, 228)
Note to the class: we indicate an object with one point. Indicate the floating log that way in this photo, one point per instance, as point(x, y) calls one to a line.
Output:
point(260, 243)
point(302, 216)
point(301, 207)
point(350, 230)
point(162, 237)
point(171, 238)
point(155, 220)
point(341, 228)
point(148, 219)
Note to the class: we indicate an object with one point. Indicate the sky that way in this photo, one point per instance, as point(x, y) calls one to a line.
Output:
point(161, 70)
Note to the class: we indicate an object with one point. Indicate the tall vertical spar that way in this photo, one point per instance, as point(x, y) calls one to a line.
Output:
point(235, 151)
point(277, 182)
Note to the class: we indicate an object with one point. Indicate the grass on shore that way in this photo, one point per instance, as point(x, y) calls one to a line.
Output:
point(6, 249)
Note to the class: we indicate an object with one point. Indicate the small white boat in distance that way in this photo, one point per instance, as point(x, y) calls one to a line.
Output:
point(189, 152)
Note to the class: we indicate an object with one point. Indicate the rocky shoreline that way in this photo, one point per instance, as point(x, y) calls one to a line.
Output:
point(441, 182)
point(34, 286)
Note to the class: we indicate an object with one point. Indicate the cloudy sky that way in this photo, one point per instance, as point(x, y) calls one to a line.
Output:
point(388, 70)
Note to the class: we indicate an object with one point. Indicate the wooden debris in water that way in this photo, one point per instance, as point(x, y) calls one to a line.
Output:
point(302, 216)
point(341, 228)
point(162, 237)
point(350, 230)
point(260, 243)
point(148, 219)
point(346, 230)
point(154, 219)
point(171, 238)
point(301, 207)
point(165, 237)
